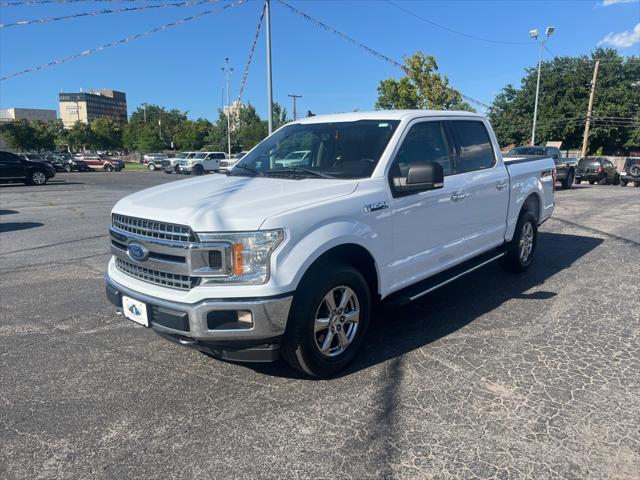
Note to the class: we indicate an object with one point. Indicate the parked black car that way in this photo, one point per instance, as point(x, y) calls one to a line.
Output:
point(597, 170)
point(630, 172)
point(565, 167)
point(19, 168)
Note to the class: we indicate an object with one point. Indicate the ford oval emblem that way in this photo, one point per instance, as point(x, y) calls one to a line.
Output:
point(137, 252)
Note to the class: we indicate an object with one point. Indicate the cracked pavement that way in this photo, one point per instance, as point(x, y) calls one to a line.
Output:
point(493, 376)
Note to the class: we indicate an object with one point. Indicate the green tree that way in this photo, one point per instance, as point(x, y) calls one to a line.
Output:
point(107, 134)
point(421, 87)
point(564, 97)
point(152, 128)
point(191, 135)
point(20, 135)
point(80, 137)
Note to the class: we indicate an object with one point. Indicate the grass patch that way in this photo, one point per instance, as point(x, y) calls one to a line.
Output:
point(135, 167)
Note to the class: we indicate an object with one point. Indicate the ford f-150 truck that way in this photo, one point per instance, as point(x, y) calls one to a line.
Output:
point(276, 259)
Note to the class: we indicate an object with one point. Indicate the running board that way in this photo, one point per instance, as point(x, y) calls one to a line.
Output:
point(428, 285)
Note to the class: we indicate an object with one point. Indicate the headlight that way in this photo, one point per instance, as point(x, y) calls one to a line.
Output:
point(250, 254)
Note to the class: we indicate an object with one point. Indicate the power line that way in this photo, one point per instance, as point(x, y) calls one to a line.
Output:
point(451, 30)
point(106, 11)
point(251, 52)
point(361, 45)
point(128, 39)
point(45, 2)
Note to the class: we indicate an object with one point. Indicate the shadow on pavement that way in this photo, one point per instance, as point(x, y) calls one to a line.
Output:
point(396, 331)
point(8, 212)
point(15, 226)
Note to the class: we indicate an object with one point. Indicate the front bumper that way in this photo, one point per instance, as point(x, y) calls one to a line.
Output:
point(189, 324)
point(185, 169)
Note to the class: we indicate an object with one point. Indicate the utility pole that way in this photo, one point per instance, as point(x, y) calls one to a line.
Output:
point(267, 15)
point(228, 70)
point(585, 139)
point(534, 34)
point(295, 97)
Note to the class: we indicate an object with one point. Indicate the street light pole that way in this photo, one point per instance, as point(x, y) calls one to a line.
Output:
point(267, 17)
point(228, 70)
point(534, 34)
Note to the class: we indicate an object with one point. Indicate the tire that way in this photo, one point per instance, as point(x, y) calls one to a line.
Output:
point(198, 170)
point(616, 179)
point(168, 171)
point(568, 181)
point(636, 184)
point(634, 170)
point(108, 168)
point(67, 168)
point(152, 167)
point(522, 246)
point(37, 177)
point(623, 183)
point(306, 349)
point(591, 182)
point(577, 181)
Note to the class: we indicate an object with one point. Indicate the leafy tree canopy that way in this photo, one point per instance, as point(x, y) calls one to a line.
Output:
point(421, 88)
point(564, 97)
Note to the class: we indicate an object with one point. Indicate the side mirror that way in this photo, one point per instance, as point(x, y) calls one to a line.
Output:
point(421, 177)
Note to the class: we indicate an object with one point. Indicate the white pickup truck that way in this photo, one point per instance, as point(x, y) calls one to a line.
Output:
point(273, 260)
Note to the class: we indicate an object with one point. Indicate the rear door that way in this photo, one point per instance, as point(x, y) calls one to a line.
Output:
point(484, 188)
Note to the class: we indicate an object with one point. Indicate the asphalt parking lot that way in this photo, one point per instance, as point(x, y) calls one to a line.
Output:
point(493, 376)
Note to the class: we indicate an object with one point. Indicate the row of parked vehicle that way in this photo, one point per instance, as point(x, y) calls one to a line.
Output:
point(187, 163)
point(592, 169)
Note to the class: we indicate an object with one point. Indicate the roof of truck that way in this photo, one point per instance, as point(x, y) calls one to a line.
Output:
point(386, 115)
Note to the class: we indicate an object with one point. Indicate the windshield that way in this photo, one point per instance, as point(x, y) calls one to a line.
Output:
point(182, 155)
point(200, 155)
point(587, 161)
point(632, 161)
point(526, 151)
point(340, 150)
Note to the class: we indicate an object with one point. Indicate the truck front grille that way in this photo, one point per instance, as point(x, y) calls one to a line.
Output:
point(171, 280)
point(153, 229)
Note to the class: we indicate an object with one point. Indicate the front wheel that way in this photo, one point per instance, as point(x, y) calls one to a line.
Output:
point(522, 246)
point(198, 170)
point(329, 316)
point(152, 167)
point(37, 177)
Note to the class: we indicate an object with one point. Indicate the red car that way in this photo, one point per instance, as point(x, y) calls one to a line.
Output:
point(102, 162)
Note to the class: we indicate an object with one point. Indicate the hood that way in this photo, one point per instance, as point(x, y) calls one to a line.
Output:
point(218, 203)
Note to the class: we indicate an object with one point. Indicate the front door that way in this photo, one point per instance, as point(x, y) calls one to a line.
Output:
point(429, 226)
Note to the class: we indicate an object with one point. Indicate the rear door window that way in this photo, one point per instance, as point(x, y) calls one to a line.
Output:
point(475, 151)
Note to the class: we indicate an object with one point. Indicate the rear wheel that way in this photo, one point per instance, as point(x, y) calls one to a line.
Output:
point(329, 316)
point(67, 168)
point(522, 246)
point(568, 181)
point(577, 180)
point(616, 179)
point(37, 177)
point(623, 183)
point(108, 167)
point(591, 182)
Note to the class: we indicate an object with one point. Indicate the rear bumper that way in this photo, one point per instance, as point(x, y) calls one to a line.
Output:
point(589, 176)
point(629, 178)
point(196, 325)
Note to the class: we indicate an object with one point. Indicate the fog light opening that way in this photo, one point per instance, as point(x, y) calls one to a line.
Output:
point(245, 316)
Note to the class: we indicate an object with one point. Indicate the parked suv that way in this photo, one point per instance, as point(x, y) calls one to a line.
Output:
point(201, 163)
point(102, 162)
point(597, 170)
point(153, 161)
point(22, 169)
point(630, 172)
point(386, 207)
point(565, 167)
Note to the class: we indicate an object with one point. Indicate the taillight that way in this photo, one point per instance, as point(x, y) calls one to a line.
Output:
point(600, 169)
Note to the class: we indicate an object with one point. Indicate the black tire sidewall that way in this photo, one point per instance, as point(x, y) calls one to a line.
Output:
point(309, 295)
point(512, 262)
point(198, 170)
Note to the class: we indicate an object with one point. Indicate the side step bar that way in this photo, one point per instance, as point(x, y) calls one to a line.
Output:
point(428, 285)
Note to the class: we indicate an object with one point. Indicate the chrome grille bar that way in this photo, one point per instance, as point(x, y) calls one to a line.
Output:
point(171, 280)
point(153, 229)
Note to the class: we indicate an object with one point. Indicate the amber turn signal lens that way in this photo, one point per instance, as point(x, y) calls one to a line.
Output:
point(237, 259)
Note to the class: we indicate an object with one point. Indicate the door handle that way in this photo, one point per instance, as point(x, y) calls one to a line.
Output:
point(457, 196)
point(501, 185)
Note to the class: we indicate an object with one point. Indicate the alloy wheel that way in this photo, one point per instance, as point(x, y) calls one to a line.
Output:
point(38, 178)
point(336, 322)
point(526, 242)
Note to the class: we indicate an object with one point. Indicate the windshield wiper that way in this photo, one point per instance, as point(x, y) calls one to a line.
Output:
point(247, 168)
point(301, 170)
